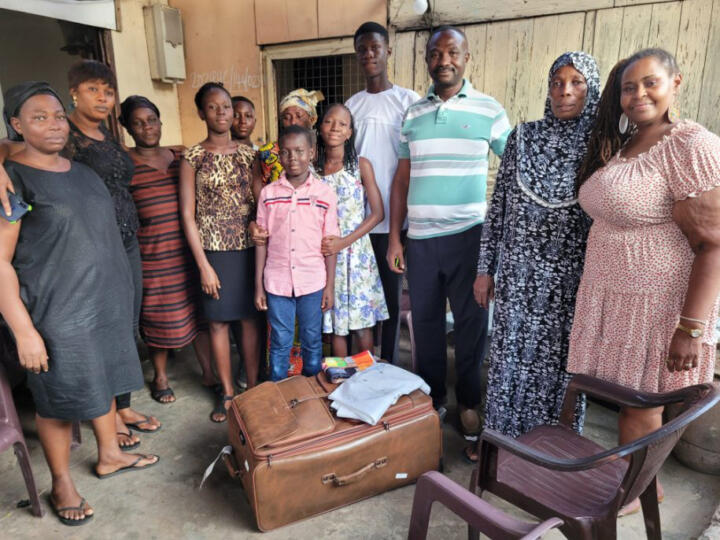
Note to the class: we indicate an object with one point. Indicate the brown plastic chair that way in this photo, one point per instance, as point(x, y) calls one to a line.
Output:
point(11, 436)
point(433, 486)
point(552, 471)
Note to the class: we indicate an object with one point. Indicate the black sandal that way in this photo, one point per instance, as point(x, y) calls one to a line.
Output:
point(69, 521)
point(220, 408)
point(158, 393)
point(127, 446)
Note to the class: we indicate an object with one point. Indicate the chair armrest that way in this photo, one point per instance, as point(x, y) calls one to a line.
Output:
point(480, 515)
point(621, 395)
point(547, 461)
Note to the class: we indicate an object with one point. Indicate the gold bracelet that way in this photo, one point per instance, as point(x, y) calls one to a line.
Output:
point(693, 320)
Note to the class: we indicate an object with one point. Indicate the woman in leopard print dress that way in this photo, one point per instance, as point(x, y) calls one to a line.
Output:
point(217, 206)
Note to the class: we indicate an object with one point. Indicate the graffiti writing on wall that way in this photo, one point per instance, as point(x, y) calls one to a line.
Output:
point(233, 78)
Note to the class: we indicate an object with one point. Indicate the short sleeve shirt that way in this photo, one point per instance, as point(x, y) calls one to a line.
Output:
point(224, 203)
point(448, 143)
point(296, 219)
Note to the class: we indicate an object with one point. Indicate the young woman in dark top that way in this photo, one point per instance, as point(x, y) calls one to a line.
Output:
point(70, 314)
point(93, 91)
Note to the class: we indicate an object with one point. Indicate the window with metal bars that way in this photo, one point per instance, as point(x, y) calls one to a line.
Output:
point(337, 77)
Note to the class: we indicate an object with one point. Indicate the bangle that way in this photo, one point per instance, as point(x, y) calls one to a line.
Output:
point(692, 320)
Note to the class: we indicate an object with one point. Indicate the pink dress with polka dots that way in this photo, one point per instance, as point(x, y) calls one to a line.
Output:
point(637, 263)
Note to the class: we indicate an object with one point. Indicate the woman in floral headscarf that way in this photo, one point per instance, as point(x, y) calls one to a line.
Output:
point(534, 243)
point(298, 108)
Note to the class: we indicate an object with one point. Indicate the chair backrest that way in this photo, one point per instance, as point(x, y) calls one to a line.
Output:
point(655, 447)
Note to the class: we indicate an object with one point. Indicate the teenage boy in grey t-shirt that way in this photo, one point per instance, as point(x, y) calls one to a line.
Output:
point(378, 113)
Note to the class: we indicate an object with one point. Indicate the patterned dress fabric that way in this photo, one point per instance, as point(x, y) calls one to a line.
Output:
point(224, 201)
point(638, 263)
point(359, 297)
point(534, 242)
point(170, 307)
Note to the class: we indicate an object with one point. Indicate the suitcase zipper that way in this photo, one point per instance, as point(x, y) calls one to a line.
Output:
point(346, 435)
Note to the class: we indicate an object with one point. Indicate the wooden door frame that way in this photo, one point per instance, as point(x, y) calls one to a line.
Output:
point(291, 51)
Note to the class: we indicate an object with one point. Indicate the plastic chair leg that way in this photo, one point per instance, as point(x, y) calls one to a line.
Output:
point(23, 458)
point(651, 512)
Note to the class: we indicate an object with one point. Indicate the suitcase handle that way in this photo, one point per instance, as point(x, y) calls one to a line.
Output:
point(231, 465)
point(354, 477)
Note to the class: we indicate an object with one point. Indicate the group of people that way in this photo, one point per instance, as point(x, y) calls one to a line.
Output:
point(600, 246)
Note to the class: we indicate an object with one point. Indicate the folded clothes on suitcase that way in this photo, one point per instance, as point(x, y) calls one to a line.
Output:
point(296, 460)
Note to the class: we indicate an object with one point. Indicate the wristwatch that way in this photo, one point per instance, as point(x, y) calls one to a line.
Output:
point(692, 332)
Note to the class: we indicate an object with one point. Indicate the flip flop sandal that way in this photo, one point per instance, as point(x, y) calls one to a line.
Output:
point(68, 521)
point(220, 409)
point(158, 393)
point(132, 467)
point(135, 426)
point(127, 446)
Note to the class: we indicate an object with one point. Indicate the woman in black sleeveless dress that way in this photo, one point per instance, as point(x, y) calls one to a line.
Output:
point(64, 283)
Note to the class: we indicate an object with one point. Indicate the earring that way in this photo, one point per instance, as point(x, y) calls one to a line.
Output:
point(74, 101)
point(673, 114)
point(624, 123)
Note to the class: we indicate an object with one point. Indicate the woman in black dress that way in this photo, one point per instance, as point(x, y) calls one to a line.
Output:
point(64, 292)
point(93, 89)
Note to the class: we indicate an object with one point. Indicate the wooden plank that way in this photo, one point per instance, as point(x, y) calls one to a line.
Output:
point(691, 52)
point(589, 32)
point(621, 3)
point(606, 42)
point(342, 18)
point(710, 95)
point(571, 27)
point(320, 47)
point(475, 72)
point(635, 27)
point(404, 54)
point(665, 25)
point(472, 11)
point(421, 79)
point(518, 74)
point(279, 21)
point(545, 30)
point(497, 59)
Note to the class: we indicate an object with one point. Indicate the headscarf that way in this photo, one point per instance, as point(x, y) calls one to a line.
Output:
point(550, 151)
point(16, 96)
point(130, 104)
point(307, 101)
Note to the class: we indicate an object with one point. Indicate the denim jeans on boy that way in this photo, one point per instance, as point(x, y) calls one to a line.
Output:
point(281, 316)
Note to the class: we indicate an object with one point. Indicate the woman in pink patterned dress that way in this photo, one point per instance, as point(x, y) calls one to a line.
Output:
point(647, 302)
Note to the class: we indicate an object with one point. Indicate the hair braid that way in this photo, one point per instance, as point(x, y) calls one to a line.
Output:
point(605, 138)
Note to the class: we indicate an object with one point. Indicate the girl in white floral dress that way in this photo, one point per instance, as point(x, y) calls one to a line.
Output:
point(359, 299)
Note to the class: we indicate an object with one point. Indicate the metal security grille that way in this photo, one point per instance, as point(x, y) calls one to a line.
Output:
point(338, 77)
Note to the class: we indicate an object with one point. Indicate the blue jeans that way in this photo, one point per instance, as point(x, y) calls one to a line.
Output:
point(281, 316)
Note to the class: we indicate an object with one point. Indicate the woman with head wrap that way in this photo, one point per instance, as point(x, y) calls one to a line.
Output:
point(533, 242)
point(170, 316)
point(298, 108)
point(93, 90)
point(64, 282)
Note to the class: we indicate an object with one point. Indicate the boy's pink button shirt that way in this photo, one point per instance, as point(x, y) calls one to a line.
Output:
point(297, 220)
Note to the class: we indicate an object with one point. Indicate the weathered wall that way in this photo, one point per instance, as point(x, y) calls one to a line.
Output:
point(219, 46)
point(132, 67)
point(279, 21)
point(510, 59)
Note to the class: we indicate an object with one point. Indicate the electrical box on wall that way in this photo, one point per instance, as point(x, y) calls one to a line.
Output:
point(163, 26)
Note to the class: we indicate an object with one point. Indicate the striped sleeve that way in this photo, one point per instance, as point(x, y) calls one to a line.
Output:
point(499, 132)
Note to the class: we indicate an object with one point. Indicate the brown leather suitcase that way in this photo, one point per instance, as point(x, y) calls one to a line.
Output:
point(296, 459)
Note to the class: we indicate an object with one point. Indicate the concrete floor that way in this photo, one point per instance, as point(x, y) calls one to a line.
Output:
point(165, 502)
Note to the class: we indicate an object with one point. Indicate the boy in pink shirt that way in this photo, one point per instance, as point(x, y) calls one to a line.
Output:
point(292, 276)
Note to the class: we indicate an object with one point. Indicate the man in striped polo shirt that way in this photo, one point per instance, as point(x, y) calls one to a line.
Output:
point(440, 186)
